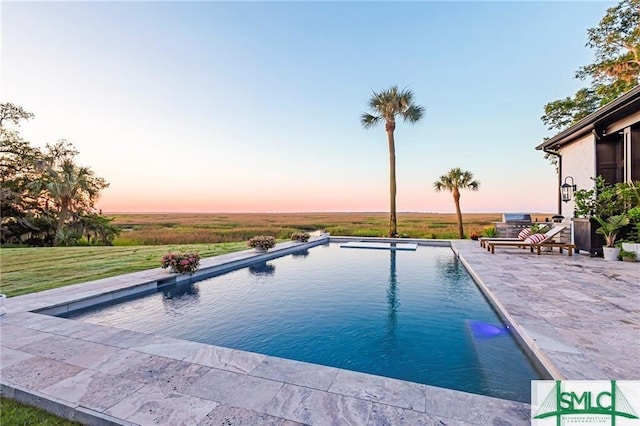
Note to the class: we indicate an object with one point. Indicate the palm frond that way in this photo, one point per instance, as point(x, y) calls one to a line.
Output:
point(413, 113)
point(456, 178)
point(389, 103)
point(369, 120)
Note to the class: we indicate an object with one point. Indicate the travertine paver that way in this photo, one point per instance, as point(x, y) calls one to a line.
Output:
point(94, 389)
point(475, 409)
point(38, 373)
point(388, 415)
point(225, 358)
point(583, 312)
point(229, 415)
point(380, 389)
point(168, 347)
point(9, 357)
point(298, 373)
point(151, 405)
point(310, 406)
point(237, 389)
point(580, 313)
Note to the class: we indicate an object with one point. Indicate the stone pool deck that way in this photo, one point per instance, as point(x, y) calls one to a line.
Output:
point(581, 315)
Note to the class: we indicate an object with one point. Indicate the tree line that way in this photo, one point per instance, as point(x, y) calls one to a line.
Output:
point(614, 71)
point(46, 198)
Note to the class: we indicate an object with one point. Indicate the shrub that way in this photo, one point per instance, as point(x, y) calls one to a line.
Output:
point(538, 228)
point(181, 263)
point(603, 200)
point(264, 242)
point(303, 237)
point(490, 232)
point(627, 254)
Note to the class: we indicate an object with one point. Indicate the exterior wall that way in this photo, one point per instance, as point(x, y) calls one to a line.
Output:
point(627, 121)
point(578, 161)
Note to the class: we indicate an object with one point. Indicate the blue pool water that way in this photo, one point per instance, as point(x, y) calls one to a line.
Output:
point(411, 315)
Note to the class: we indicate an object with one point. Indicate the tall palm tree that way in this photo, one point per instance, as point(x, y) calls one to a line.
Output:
point(454, 181)
point(386, 106)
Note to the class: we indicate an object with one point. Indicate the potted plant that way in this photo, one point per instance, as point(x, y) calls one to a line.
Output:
point(181, 263)
point(632, 243)
point(628, 256)
point(302, 237)
point(609, 230)
point(601, 201)
point(262, 243)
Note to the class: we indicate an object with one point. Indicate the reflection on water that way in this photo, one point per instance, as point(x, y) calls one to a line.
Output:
point(178, 297)
point(450, 268)
point(301, 254)
point(392, 294)
point(452, 274)
point(262, 268)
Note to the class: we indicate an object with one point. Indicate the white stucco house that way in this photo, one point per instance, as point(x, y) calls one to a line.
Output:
point(606, 143)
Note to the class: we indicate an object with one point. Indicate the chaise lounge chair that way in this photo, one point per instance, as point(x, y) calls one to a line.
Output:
point(523, 235)
point(537, 242)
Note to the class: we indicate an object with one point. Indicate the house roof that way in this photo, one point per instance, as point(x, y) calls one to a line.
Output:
point(615, 110)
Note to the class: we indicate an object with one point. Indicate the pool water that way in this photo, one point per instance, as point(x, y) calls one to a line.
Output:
point(411, 315)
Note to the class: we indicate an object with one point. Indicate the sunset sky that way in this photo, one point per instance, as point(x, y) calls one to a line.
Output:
point(255, 106)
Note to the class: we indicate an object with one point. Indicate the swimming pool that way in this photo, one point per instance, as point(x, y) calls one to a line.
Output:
point(412, 315)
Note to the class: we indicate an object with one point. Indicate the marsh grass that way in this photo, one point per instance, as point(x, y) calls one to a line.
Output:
point(147, 237)
point(193, 228)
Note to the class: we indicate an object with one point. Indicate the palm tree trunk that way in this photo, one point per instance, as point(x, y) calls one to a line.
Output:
point(393, 229)
point(456, 200)
point(64, 209)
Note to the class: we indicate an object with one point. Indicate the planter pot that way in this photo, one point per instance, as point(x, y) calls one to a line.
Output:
point(3, 298)
point(611, 253)
point(632, 247)
point(628, 259)
point(585, 237)
point(260, 250)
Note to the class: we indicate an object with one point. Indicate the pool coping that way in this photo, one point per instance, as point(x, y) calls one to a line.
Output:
point(385, 389)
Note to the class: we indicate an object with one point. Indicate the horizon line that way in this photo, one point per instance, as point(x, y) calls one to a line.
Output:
point(311, 212)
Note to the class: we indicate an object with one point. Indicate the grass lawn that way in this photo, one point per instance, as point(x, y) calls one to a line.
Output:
point(12, 413)
point(27, 270)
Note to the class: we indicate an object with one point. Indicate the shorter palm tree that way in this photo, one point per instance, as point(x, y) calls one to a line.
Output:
point(454, 181)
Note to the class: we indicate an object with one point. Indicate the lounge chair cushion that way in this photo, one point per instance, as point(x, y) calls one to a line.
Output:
point(524, 234)
point(535, 238)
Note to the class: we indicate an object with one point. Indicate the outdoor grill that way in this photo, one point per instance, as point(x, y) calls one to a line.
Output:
point(512, 224)
point(517, 218)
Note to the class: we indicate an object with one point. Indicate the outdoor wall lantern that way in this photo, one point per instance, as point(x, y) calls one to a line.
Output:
point(568, 190)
